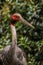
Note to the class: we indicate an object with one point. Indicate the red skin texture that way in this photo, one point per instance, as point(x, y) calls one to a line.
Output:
point(15, 17)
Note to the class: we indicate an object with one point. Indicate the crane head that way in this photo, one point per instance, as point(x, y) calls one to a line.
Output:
point(18, 17)
point(15, 17)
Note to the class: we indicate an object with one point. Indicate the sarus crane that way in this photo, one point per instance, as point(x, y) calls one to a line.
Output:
point(12, 54)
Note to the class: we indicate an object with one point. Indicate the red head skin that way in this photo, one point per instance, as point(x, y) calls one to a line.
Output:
point(15, 17)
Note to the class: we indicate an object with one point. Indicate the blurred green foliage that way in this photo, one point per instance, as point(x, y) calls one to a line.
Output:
point(30, 40)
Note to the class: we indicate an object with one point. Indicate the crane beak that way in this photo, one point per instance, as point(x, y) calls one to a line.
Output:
point(26, 23)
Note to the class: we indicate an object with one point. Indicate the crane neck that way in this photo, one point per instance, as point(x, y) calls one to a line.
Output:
point(14, 36)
